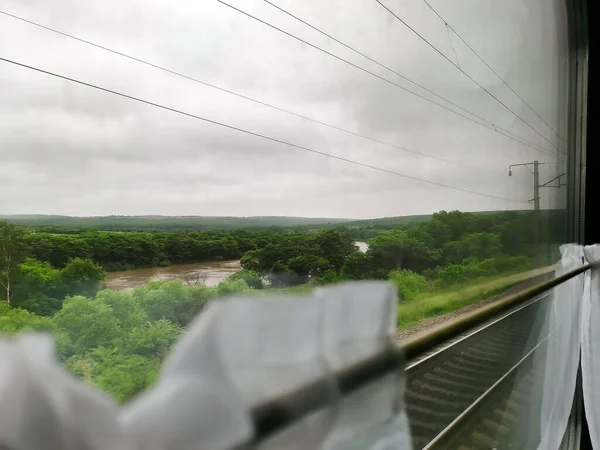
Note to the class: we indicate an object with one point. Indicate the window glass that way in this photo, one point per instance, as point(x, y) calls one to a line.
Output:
point(156, 156)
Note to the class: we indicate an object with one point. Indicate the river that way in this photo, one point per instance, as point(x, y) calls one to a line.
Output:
point(215, 272)
point(212, 273)
point(362, 246)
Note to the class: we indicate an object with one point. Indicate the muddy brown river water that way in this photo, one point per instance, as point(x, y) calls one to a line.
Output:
point(214, 273)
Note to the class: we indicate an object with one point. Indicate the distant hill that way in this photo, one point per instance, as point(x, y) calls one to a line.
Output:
point(165, 222)
point(388, 222)
point(60, 224)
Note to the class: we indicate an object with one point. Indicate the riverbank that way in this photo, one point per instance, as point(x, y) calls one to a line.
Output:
point(207, 273)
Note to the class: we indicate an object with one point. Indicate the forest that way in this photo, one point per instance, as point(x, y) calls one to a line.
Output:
point(117, 340)
point(70, 224)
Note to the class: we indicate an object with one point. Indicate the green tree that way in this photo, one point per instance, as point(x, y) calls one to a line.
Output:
point(482, 245)
point(38, 288)
point(307, 266)
point(335, 247)
point(250, 277)
point(251, 261)
point(38, 277)
point(456, 222)
point(87, 324)
point(151, 340)
point(173, 301)
point(11, 255)
point(15, 320)
point(82, 277)
point(281, 275)
point(118, 373)
point(358, 266)
point(396, 250)
point(123, 307)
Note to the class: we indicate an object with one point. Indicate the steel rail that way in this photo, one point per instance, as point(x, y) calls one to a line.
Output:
point(275, 414)
point(414, 347)
point(465, 414)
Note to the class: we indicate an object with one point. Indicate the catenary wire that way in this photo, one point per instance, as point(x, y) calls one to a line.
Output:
point(286, 111)
point(490, 67)
point(381, 65)
point(467, 75)
point(252, 133)
point(358, 52)
point(491, 126)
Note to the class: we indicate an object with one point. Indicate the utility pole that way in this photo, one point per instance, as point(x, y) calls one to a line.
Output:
point(536, 186)
point(536, 201)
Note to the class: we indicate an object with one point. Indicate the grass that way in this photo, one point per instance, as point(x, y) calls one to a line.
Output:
point(294, 290)
point(432, 305)
point(413, 312)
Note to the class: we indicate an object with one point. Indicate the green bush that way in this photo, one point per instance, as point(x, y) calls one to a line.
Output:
point(328, 277)
point(151, 340)
point(171, 301)
point(250, 277)
point(509, 263)
point(409, 284)
point(120, 374)
point(88, 324)
point(450, 275)
point(228, 287)
point(15, 320)
point(496, 266)
point(41, 304)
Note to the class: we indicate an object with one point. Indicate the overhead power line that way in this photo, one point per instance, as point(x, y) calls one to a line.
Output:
point(487, 124)
point(286, 111)
point(378, 63)
point(467, 75)
point(252, 133)
point(490, 67)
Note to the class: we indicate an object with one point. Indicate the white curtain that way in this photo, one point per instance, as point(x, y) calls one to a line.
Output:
point(242, 351)
point(574, 324)
point(237, 354)
point(561, 359)
point(590, 345)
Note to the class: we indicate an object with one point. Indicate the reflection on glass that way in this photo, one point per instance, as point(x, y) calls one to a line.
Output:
point(155, 159)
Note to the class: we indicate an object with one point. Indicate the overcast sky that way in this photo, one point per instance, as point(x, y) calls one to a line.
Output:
point(68, 149)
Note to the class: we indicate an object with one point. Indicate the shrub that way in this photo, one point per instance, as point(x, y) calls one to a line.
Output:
point(151, 340)
point(15, 320)
point(450, 275)
point(409, 284)
point(120, 374)
point(228, 287)
point(328, 277)
point(250, 277)
point(41, 304)
point(506, 263)
point(170, 300)
point(87, 324)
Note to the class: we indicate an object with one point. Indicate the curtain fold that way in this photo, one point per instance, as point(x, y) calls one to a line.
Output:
point(590, 344)
point(238, 354)
point(241, 352)
point(561, 359)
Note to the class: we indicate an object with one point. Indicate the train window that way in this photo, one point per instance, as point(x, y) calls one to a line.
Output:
point(157, 157)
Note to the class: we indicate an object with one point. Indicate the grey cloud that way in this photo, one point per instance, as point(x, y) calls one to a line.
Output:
point(68, 149)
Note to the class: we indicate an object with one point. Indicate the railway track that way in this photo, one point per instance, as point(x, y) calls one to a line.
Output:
point(476, 392)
